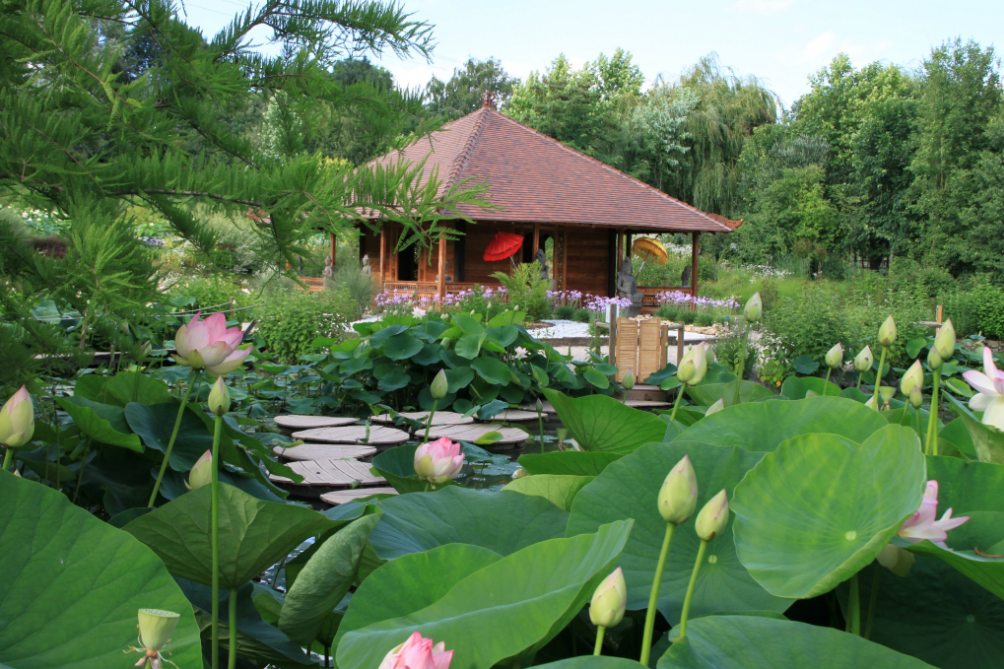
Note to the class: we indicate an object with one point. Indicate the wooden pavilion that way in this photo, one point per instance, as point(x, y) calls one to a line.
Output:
point(545, 190)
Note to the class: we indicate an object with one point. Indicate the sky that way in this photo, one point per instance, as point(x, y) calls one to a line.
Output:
point(782, 42)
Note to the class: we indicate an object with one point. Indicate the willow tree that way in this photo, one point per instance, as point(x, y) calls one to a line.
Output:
point(107, 106)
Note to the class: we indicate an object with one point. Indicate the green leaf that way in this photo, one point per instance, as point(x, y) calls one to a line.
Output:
point(797, 387)
point(707, 394)
point(469, 346)
point(629, 488)
point(596, 379)
point(459, 378)
point(123, 388)
point(761, 426)
point(401, 346)
point(254, 534)
point(988, 442)
point(820, 507)
point(915, 346)
point(570, 463)
point(324, 580)
point(957, 434)
point(540, 376)
point(531, 605)
point(155, 423)
point(492, 370)
point(755, 642)
point(559, 490)
point(468, 324)
point(601, 423)
point(804, 364)
point(591, 662)
point(391, 378)
point(421, 521)
point(101, 422)
point(74, 584)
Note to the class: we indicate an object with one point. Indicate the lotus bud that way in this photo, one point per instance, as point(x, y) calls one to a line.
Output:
point(754, 308)
point(835, 356)
point(219, 397)
point(440, 386)
point(916, 398)
point(713, 518)
point(934, 359)
point(887, 333)
point(418, 653)
point(863, 361)
point(17, 420)
point(896, 560)
point(694, 365)
point(716, 407)
point(944, 342)
point(914, 378)
point(609, 601)
point(202, 472)
point(678, 495)
point(156, 627)
point(628, 381)
point(539, 406)
point(886, 393)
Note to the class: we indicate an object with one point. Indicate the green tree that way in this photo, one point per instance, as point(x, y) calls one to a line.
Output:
point(461, 94)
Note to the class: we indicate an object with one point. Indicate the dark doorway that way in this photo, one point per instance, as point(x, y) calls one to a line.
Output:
point(407, 264)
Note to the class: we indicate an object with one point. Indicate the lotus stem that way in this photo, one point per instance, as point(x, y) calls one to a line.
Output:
point(854, 604)
point(916, 420)
point(192, 379)
point(540, 427)
point(826, 384)
point(232, 624)
point(878, 379)
point(859, 381)
point(741, 370)
point(215, 513)
point(80, 475)
point(931, 446)
point(690, 589)
point(8, 456)
point(598, 649)
point(428, 422)
point(676, 404)
point(653, 598)
point(873, 601)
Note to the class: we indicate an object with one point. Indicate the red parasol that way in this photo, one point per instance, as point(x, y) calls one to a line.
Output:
point(504, 245)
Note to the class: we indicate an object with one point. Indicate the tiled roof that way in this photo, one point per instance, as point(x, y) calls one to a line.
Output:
point(732, 223)
point(538, 179)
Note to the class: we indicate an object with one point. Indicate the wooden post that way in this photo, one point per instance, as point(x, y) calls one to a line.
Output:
point(383, 251)
point(694, 251)
point(441, 284)
point(536, 239)
point(612, 339)
point(334, 247)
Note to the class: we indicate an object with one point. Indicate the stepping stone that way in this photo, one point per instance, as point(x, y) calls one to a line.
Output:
point(471, 433)
point(325, 452)
point(441, 417)
point(647, 404)
point(517, 415)
point(331, 473)
point(307, 422)
point(355, 434)
point(533, 409)
point(342, 496)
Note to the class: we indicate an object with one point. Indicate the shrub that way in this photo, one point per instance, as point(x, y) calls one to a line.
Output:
point(988, 303)
point(290, 320)
point(211, 291)
point(963, 308)
point(564, 312)
point(582, 315)
point(360, 288)
point(527, 289)
point(704, 319)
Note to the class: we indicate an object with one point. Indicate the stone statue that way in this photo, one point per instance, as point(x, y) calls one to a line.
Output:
point(449, 276)
point(366, 270)
point(627, 287)
point(541, 259)
point(329, 274)
point(685, 278)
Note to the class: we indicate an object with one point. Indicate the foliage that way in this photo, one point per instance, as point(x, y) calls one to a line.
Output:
point(461, 94)
point(290, 319)
point(527, 289)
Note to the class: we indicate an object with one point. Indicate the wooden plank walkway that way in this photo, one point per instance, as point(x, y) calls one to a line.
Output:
point(441, 417)
point(517, 415)
point(331, 473)
point(294, 422)
point(325, 452)
point(355, 434)
point(471, 433)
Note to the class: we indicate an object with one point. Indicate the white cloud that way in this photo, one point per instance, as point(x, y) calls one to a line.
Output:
point(762, 6)
point(822, 48)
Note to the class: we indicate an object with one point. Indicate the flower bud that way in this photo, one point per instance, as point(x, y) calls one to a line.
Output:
point(835, 356)
point(202, 472)
point(628, 381)
point(17, 420)
point(886, 393)
point(863, 361)
point(754, 308)
point(539, 406)
point(713, 518)
point(914, 378)
point(156, 627)
point(440, 386)
point(916, 398)
point(694, 365)
point(934, 359)
point(609, 601)
point(678, 495)
point(219, 397)
point(896, 560)
point(716, 407)
point(944, 342)
point(887, 333)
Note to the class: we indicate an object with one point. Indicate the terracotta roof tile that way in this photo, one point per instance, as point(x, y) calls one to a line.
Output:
point(537, 179)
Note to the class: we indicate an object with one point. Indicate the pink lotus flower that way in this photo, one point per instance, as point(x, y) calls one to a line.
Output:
point(418, 653)
point(209, 344)
point(989, 386)
point(922, 525)
point(438, 461)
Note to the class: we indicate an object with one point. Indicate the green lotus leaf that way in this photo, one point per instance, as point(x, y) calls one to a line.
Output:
point(254, 534)
point(820, 507)
point(123, 388)
point(531, 605)
point(629, 488)
point(761, 426)
point(988, 442)
point(596, 379)
point(74, 585)
point(796, 387)
point(559, 490)
point(754, 642)
point(591, 662)
point(421, 521)
point(401, 346)
point(601, 423)
point(469, 346)
point(155, 423)
point(707, 394)
point(491, 370)
point(103, 423)
point(569, 463)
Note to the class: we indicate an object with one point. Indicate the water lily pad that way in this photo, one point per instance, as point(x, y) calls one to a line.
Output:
point(761, 426)
point(74, 585)
point(601, 423)
point(502, 522)
point(754, 642)
point(629, 488)
point(820, 507)
point(531, 604)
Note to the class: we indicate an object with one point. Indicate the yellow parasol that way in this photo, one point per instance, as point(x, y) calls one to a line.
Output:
point(649, 250)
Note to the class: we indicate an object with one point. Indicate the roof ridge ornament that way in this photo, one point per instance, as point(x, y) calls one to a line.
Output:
point(488, 100)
